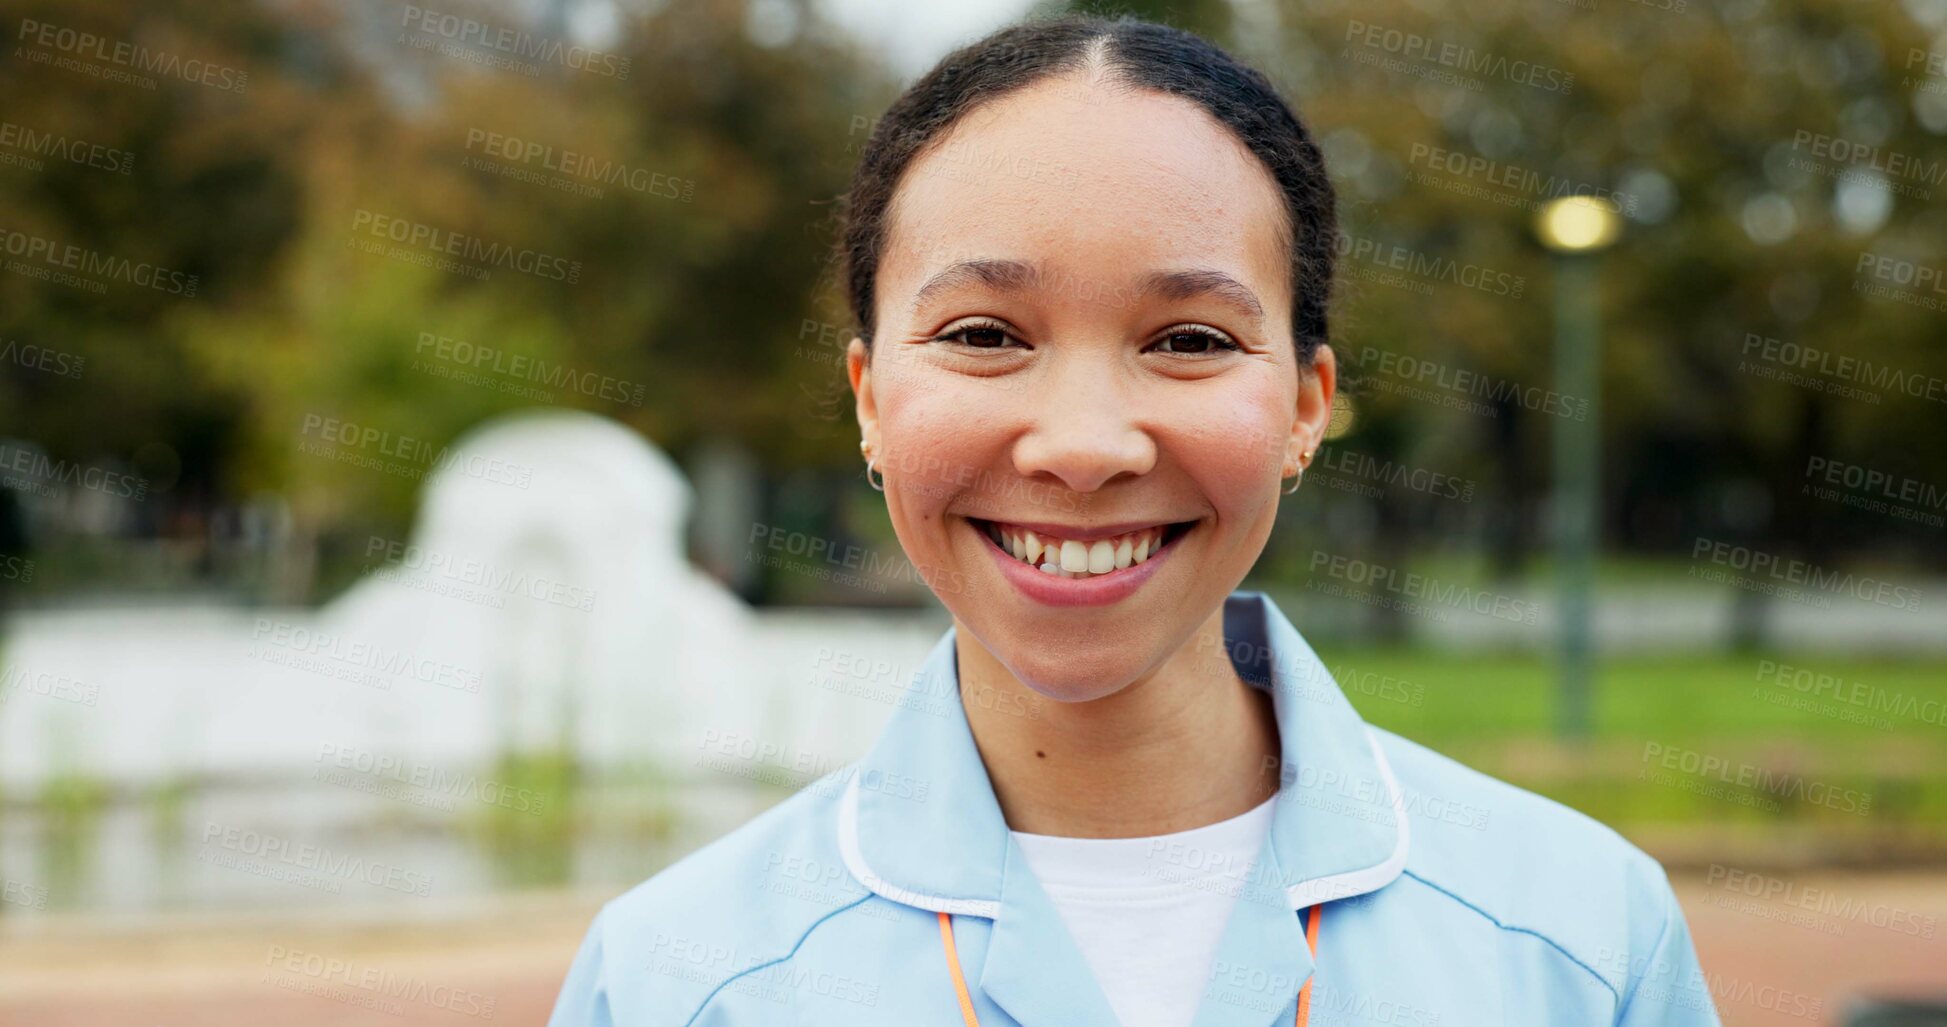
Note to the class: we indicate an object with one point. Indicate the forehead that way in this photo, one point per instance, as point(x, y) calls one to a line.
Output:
point(1096, 178)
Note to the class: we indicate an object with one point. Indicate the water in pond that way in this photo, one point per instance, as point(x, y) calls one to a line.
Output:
point(321, 843)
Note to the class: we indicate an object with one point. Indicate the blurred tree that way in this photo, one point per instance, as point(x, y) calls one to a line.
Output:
point(680, 189)
point(1211, 19)
point(209, 187)
point(1444, 127)
point(690, 170)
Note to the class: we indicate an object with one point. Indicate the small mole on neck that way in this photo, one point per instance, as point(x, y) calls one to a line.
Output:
point(1040, 755)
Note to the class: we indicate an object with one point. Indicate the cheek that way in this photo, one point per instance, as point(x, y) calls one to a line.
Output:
point(939, 436)
point(1236, 448)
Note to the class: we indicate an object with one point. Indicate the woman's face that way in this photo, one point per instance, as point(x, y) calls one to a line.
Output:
point(1083, 393)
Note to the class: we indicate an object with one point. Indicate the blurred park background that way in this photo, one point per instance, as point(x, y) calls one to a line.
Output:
point(429, 498)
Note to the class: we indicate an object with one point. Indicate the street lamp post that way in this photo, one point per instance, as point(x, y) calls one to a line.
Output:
point(1575, 228)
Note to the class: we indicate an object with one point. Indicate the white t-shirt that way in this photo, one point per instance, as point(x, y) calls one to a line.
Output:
point(1148, 913)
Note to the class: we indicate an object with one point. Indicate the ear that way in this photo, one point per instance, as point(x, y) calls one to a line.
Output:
point(1316, 386)
point(858, 370)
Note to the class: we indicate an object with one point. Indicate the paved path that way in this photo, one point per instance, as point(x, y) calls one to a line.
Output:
point(1769, 962)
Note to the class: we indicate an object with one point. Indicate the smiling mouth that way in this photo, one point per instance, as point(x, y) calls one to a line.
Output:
point(1075, 558)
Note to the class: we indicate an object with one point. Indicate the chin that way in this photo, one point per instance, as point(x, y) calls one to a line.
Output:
point(1073, 673)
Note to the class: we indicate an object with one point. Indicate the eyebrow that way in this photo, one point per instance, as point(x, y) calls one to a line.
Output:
point(1017, 275)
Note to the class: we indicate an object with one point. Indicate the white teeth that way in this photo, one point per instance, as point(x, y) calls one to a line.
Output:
point(1072, 558)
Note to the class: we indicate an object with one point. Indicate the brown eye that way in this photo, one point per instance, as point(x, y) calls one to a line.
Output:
point(982, 336)
point(1193, 342)
point(1188, 342)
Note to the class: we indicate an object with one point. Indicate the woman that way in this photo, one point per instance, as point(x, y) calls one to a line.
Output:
point(1090, 263)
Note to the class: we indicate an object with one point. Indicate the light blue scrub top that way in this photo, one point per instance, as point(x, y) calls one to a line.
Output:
point(1450, 898)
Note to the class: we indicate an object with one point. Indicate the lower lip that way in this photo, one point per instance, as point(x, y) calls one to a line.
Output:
point(1055, 590)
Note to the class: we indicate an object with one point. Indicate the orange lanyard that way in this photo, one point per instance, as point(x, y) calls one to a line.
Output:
point(966, 1000)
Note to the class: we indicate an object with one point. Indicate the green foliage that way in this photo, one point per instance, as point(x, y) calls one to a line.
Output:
point(528, 826)
point(726, 155)
point(1696, 117)
point(711, 302)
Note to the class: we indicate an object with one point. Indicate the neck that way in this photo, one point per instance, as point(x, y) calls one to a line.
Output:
point(1184, 746)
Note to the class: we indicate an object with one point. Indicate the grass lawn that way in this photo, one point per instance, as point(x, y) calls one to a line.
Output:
point(1718, 739)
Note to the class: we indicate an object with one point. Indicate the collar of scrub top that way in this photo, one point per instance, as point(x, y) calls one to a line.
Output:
point(919, 825)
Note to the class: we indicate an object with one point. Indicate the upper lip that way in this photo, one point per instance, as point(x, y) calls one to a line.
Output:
point(1082, 533)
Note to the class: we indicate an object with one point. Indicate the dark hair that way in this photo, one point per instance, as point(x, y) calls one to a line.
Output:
point(1134, 52)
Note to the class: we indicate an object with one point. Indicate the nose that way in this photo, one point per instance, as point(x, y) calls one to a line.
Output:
point(1086, 430)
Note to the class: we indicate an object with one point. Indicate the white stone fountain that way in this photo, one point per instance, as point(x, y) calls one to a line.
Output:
point(514, 620)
